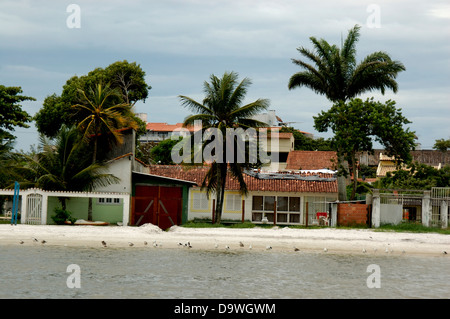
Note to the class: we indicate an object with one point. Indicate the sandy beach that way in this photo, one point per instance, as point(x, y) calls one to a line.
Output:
point(286, 239)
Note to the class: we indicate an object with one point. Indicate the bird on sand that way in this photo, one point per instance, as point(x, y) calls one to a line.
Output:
point(216, 245)
point(21, 242)
point(43, 241)
point(103, 243)
point(155, 244)
point(296, 249)
point(269, 247)
point(227, 247)
point(250, 247)
point(325, 249)
point(130, 244)
point(145, 243)
point(35, 239)
point(364, 250)
point(241, 244)
point(444, 252)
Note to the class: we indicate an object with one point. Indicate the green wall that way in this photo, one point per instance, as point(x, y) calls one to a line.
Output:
point(110, 213)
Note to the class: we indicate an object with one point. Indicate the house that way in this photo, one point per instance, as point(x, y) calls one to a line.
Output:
point(388, 164)
point(293, 198)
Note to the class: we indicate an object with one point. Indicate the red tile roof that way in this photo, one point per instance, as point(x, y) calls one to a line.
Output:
point(311, 160)
point(197, 175)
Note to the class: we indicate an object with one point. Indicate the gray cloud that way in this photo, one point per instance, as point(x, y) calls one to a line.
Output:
point(180, 43)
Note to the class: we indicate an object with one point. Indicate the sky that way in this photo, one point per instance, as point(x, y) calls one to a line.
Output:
point(180, 43)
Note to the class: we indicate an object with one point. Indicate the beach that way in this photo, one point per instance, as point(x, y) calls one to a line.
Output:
point(328, 240)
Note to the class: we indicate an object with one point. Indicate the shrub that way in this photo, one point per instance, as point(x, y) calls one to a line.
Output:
point(61, 215)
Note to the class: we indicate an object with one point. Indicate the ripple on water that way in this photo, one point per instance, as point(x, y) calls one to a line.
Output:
point(40, 272)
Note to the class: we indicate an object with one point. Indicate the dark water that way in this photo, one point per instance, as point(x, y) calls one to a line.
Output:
point(41, 272)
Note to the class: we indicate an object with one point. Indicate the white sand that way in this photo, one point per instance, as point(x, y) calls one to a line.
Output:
point(307, 240)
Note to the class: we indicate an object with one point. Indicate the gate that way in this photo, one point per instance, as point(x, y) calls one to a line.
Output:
point(440, 199)
point(34, 209)
point(158, 205)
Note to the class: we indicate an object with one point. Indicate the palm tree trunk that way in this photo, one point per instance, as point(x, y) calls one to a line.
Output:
point(220, 198)
point(94, 159)
point(63, 202)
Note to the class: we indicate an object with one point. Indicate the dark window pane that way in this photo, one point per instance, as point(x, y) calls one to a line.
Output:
point(282, 203)
point(257, 203)
point(269, 202)
point(294, 204)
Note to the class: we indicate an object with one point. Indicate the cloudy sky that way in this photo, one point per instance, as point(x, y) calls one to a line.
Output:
point(180, 43)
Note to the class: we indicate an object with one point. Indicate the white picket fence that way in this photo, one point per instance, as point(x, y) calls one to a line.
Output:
point(34, 203)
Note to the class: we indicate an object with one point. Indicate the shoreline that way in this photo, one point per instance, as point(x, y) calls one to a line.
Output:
point(360, 241)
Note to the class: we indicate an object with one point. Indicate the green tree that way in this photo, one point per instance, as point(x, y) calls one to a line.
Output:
point(61, 165)
point(358, 123)
point(335, 73)
point(442, 145)
point(223, 108)
point(418, 176)
point(11, 113)
point(128, 79)
point(161, 153)
point(101, 115)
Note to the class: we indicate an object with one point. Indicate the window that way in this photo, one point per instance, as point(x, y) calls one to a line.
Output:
point(109, 201)
point(233, 202)
point(288, 209)
point(199, 201)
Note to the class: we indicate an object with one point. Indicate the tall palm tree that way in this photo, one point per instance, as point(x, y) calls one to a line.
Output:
point(221, 109)
point(103, 113)
point(335, 73)
point(60, 164)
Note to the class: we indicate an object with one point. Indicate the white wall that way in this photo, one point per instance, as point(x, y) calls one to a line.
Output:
point(120, 168)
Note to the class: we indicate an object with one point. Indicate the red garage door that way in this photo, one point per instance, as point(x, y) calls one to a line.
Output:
point(158, 205)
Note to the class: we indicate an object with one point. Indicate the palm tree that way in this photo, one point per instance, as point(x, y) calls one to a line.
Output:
point(59, 164)
point(335, 73)
point(103, 113)
point(221, 109)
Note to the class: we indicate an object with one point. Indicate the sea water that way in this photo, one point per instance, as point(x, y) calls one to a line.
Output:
point(138, 272)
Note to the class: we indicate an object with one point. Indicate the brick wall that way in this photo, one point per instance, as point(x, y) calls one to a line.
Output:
point(351, 214)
